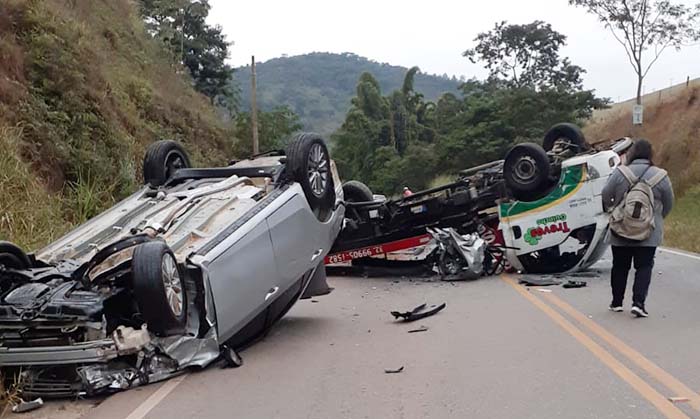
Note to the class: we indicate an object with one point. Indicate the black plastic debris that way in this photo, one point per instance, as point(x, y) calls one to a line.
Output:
point(420, 312)
point(420, 329)
point(575, 284)
point(396, 371)
point(231, 358)
point(538, 282)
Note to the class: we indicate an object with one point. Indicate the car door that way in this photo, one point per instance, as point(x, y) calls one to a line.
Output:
point(244, 280)
point(297, 239)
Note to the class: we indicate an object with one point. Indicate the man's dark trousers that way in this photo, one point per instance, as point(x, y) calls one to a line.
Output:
point(623, 256)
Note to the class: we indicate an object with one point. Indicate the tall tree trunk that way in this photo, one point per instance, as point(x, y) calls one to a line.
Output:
point(639, 90)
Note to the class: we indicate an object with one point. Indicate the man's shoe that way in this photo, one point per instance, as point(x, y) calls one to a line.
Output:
point(615, 308)
point(639, 311)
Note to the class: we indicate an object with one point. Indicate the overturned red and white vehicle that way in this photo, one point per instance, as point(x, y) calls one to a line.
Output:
point(539, 210)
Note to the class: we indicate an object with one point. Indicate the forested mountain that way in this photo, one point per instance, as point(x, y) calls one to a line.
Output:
point(318, 86)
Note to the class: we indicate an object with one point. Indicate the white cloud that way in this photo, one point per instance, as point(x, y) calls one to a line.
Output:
point(433, 34)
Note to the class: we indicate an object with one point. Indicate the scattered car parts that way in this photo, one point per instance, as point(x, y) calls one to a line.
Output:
point(420, 329)
point(420, 312)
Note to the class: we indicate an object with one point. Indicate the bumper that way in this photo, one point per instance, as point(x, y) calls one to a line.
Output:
point(89, 352)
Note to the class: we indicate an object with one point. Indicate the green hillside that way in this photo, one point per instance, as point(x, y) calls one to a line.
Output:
point(672, 124)
point(83, 91)
point(318, 86)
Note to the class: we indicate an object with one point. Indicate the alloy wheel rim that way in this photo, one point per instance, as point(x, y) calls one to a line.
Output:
point(526, 169)
point(172, 284)
point(317, 170)
point(173, 162)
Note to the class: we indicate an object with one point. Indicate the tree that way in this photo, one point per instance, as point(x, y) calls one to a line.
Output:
point(531, 82)
point(525, 55)
point(643, 25)
point(201, 48)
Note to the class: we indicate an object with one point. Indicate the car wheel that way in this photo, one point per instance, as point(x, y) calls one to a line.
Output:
point(565, 135)
point(159, 288)
point(13, 257)
point(355, 191)
point(162, 159)
point(526, 170)
point(309, 164)
point(449, 265)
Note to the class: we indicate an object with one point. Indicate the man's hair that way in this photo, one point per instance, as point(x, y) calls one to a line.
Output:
point(641, 149)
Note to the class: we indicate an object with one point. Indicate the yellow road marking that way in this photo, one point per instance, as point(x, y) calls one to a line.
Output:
point(663, 377)
point(642, 387)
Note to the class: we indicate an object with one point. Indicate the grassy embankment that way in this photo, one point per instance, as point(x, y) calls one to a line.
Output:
point(672, 124)
point(83, 91)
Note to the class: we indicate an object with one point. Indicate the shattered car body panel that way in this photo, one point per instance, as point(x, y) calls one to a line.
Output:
point(247, 240)
point(460, 257)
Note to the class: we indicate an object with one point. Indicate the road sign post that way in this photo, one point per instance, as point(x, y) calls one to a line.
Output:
point(637, 115)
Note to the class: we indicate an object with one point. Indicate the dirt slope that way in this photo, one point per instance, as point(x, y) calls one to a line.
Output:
point(83, 91)
point(672, 124)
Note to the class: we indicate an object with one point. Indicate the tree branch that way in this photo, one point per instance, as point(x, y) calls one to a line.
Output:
point(624, 45)
point(658, 54)
point(632, 22)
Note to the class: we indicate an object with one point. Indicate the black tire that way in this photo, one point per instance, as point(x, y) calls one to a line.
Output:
point(570, 132)
point(301, 165)
point(13, 257)
point(162, 159)
point(526, 170)
point(157, 295)
point(356, 191)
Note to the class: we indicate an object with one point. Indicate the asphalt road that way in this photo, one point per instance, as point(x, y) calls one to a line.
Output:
point(499, 350)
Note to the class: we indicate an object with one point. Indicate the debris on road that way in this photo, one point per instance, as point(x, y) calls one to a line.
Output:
point(538, 282)
point(231, 358)
point(420, 329)
point(24, 407)
point(418, 313)
point(678, 399)
point(544, 290)
point(575, 284)
point(396, 371)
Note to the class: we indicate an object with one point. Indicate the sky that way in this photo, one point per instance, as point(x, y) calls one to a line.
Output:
point(433, 34)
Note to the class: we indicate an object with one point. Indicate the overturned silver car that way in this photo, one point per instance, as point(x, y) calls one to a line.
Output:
point(194, 265)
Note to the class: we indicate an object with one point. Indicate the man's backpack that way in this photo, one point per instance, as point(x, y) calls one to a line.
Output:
point(633, 217)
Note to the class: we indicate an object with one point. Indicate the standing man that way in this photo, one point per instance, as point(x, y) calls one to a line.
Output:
point(640, 196)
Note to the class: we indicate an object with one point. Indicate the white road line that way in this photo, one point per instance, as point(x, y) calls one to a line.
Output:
point(675, 252)
point(155, 398)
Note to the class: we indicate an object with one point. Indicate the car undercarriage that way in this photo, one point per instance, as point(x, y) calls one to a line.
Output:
point(192, 267)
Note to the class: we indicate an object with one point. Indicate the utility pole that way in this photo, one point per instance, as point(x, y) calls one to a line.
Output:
point(254, 110)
